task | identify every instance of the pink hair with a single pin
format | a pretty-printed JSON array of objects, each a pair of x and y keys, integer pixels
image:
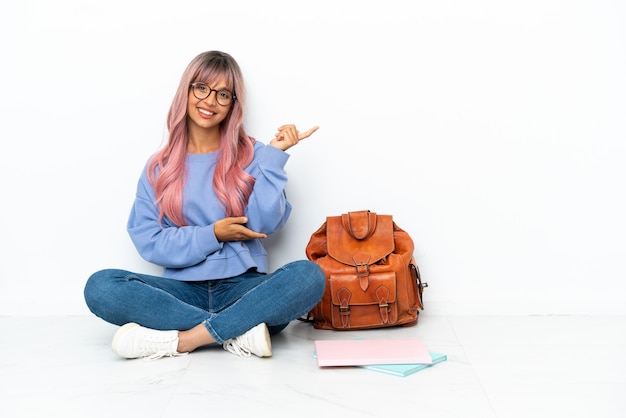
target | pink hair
[{"x": 230, "y": 182}]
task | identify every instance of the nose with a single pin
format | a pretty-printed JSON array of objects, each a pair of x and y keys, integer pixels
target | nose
[{"x": 214, "y": 96}]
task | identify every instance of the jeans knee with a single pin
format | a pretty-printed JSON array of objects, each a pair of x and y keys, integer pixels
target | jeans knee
[
  {"x": 96, "y": 286},
  {"x": 315, "y": 276}
]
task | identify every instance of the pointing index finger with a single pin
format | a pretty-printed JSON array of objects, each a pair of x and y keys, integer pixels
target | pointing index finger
[{"x": 308, "y": 133}]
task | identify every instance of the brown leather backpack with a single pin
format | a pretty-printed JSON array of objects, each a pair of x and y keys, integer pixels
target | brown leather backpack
[{"x": 372, "y": 279}]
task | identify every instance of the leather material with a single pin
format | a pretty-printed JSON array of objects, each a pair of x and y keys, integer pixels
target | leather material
[{"x": 372, "y": 280}]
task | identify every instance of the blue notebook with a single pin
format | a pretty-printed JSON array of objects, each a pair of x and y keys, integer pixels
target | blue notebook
[{"x": 405, "y": 369}]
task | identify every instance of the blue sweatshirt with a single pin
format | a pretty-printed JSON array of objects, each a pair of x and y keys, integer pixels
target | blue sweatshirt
[{"x": 193, "y": 252}]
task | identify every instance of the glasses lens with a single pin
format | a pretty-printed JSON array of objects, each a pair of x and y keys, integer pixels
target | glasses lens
[
  {"x": 201, "y": 91},
  {"x": 224, "y": 97}
]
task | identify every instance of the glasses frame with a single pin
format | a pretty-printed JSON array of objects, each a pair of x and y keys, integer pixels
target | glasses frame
[{"x": 193, "y": 87}]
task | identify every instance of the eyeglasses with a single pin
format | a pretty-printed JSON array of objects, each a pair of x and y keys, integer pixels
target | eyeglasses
[{"x": 202, "y": 91}]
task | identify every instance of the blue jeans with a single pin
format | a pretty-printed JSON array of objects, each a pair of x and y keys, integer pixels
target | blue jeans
[{"x": 226, "y": 307}]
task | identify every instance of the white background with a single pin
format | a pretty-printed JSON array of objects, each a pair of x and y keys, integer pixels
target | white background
[{"x": 493, "y": 131}]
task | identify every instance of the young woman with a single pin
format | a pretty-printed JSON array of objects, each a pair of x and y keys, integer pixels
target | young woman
[{"x": 204, "y": 204}]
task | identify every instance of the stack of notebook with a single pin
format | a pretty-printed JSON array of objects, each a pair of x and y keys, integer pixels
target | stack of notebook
[{"x": 398, "y": 357}]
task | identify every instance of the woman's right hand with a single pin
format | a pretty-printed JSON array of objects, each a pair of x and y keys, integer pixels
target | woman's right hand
[{"x": 234, "y": 229}]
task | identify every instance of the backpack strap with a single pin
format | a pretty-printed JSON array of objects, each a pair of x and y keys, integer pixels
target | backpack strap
[{"x": 360, "y": 224}]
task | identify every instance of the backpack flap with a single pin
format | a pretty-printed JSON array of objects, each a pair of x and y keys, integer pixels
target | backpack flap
[{"x": 364, "y": 236}]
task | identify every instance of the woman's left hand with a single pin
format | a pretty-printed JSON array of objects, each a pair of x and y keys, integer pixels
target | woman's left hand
[{"x": 288, "y": 136}]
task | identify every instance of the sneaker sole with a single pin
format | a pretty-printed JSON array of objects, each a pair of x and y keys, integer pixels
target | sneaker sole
[{"x": 119, "y": 335}]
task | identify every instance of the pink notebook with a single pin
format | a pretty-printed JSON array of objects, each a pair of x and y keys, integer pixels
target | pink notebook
[{"x": 364, "y": 352}]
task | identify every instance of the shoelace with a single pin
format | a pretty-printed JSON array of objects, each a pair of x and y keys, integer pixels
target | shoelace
[
  {"x": 153, "y": 342},
  {"x": 235, "y": 347}
]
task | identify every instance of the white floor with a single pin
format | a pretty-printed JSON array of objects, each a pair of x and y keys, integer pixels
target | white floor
[{"x": 498, "y": 366}]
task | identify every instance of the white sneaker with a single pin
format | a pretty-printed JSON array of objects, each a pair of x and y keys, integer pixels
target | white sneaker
[
  {"x": 134, "y": 341},
  {"x": 255, "y": 341}
]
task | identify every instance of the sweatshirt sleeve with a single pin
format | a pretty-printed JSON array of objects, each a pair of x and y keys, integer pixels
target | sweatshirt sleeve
[
  {"x": 166, "y": 244},
  {"x": 268, "y": 208}
]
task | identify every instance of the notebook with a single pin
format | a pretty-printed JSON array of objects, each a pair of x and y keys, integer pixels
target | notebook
[
  {"x": 405, "y": 369},
  {"x": 366, "y": 352}
]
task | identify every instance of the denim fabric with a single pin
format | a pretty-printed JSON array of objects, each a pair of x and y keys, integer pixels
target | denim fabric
[{"x": 226, "y": 307}]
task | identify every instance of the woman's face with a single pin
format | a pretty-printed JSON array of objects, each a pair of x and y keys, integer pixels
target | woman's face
[{"x": 207, "y": 113}]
